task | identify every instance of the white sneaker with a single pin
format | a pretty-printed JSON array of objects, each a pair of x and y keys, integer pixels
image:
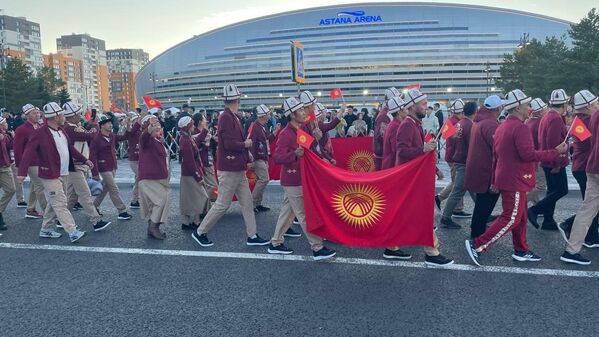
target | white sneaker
[
  {"x": 48, "y": 233},
  {"x": 76, "y": 235}
]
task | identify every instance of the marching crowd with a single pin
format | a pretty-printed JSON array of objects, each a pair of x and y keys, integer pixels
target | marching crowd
[{"x": 516, "y": 160}]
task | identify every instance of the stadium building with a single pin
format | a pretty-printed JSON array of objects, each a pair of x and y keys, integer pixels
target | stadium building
[{"x": 450, "y": 50}]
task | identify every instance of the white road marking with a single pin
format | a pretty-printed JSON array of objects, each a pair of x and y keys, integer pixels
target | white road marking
[{"x": 342, "y": 260}]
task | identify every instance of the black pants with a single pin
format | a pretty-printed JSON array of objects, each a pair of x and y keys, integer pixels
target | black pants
[
  {"x": 593, "y": 233},
  {"x": 483, "y": 207},
  {"x": 557, "y": 188}
]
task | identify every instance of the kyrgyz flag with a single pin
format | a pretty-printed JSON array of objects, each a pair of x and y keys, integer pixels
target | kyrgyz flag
[
  {"x": 336, "y": 93},
  {"x": 354, "y": 154},
  {"x": 579, "y": 130},
  {"x": 448, "y": 130},
  {"x": 152, "y": 102},
  {"x": 376, "y": 209},
  {"x": 304, "y": 139}
]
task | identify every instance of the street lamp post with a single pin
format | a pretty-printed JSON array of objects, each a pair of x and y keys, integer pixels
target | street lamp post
[
  {"x": 488, "y": 74},
  {"x": 153, "y": 79},
  {"x": 3, "y": 55}
]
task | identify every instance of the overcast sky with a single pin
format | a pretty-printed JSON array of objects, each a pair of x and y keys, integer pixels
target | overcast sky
[{"x": 156, "y": 25}]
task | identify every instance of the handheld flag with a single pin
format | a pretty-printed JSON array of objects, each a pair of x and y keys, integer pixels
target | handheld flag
[
  {"x": 152, "y": 102},
  {"x": 354, "y": 154},
  {"x": 428, "y": 137},
  {"x": 413, "y": 86},
  {"x": 579, "y": 130},
  {"x": 336, "y": 93},
  {"x": 304, "y": 139},
  {"x": 87, "y": 116},
  {"x": 310, "y": 118},
  {"x": 448, "y": 130},
  {"x": 115, "y": 109}
]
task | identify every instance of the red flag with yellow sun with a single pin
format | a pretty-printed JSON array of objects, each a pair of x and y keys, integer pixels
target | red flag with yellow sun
[
  {"x": 354, "y": 154},
  {"x": 375, "y": 209}
]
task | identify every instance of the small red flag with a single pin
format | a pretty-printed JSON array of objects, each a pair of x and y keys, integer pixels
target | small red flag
[
  {"x": 115, "y": 109},
  {"x": 336, "y": 93},
  {"x": 448, "y": 130},
  {"x": 579, "y": 130},
  {"x": 87, "y": 116},
  {"x": 413, "y": 86},
  {"x": 310, "y": 118},
  {"x": 152, "y": 102},
  {"x": 428, "y": 137},
  {"x": 304, "y": 139}
]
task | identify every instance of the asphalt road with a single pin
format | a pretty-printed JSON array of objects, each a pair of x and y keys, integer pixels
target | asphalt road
[{"x": 118, "y": 293}]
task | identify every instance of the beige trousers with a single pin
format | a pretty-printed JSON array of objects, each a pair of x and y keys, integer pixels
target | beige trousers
[
  {"x": 18, "y": 184},
  {"x": 293, "y": 204},
  {"x": 37, "y": 188},
  {"x": 540, "y": 186},
  {"x": 109, "y": 187},
  {"x": 154, "y": 198},
  {"x": 57, "y": 204},
  {"x": 210, "y": 182},
  {"x": 261, "y": 169},
  {"x": 135, "y": 168},
  {"x": 231, "y": 183},
  {"x": 445, "y": 192},
  {"x": 585, "y": 215},
  {"x": 193, "y": 200},
  {"x": 8, "y": 186},
  {"x": 78, "y": 190}
]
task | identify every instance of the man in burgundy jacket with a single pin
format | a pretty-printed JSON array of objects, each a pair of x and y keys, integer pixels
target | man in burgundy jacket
[
  {"x": 410, "y": 145},
  {"x": 456, "y": 109},
  {"x": 22, "y": 138},
  {"x": 233, "y": 159},
  {"x": 539, "y": 108},
  {"x": 6, "y": 178},
  {"x": 479, "y": 167},
  {"x": 586, "y": 102},
  {"x": 311, "y": 127},
  {"x": 552, "y": 132},
  {"x": 396, "y": 109},
  {"x": 325, "y": 142},
  {"x": 380, "y": 124},
  {"x": 54, "y": 152},
  {"x": 514, "y": 176},
  {"x": 133, "y": 134},
  {"x": 260, "y": 149}
]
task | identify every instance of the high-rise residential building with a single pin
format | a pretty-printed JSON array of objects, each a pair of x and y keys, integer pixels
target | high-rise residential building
[
  {"x": 123, "y": 65},
  {"x": 92, "y": 53},
  {"x": 70, "y": 70},
  {"x": 20, "y": 38}
]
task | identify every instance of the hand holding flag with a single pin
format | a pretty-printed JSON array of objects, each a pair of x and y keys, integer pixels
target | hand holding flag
[
  {"x": 304, "y": 139},
  {"x": 447, "y": 131},
  {"x": 579, "y": 130}
]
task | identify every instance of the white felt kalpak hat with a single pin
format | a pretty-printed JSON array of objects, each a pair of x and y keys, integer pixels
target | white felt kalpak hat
[
  {"x": 395, "y": 104},
  {"x": 184, "y": 121},
  {"x": 71, "y": 109},
  {"x": 537, "y": 104},
  {"x": 262, "y": 110},
  {"x": 457, "y": 106},
  {"x": 52, "y": 109},
  {"x": 584, "y": 98},
  {"x": 558, "y": 97},
  {"x": 515, "y": 98},
  {"x": 291, "y": 104},
  {"x": 27, "y": 108},
  {"x": 414, "y": 96},
  {"x": 231, "y": 93},
  {"x": 320, "y": 109},
  {"x": 307, "y": 98},
  {"x": 391, "y": 92}
]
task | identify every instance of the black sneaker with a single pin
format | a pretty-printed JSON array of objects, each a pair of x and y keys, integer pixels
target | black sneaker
[
  {"x": 526, "y": 256},
  {"x": 450, "y": 224},
  {"x": 280, "y": 249},
  {"x": 461, "y": 214},
  {"x": 472, "y": 252},
  {"x": 591, "y": 244},
  {"x": 261, "y": 208},
  {"x": 190, "y": 226},
  {"x": 59, "y": 225},
  {"x": 77, "y": 207},
  {"x": 202, "y": 240},
  {"x": 564, "y": 230},
  {"x": 124, "y": 216},
  {"x": 574, "y": 258},
  {"x": 438, "y": 260},
  {"x": 549, "y": 226},
  {"x": 290, "y": 233},
  {"x": 295, "y": 221},
  {"x": 396, "y": 255},
  {"x": 134, "y": 205},
  {"x": 324, "y": 254},
  {"x": 257, "y": 241},
  {"x": 21, "y": 204},
  {"x": 438, "y": 201},
  {"x": 532, "y": 218},
  {"x": 100, "y": 225}
]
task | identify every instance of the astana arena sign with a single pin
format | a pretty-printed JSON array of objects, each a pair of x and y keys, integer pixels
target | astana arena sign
[{"x": 344, "y": 18}]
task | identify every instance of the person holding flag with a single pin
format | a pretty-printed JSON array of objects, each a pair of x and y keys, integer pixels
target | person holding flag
[
  {"x": 552, "y": 132},
  {"x": 411, "y": 145},
  {"x": 291, "y": 144},
  {"x": 233, "y": 161},
  {"x": 585, "y": 103},
  {"x": 513, "y": 177},
  {"x": 133, "y": 134},
  {"x": 325, "y": 142},
  {"x": 380, "y": 124},
  {"x": 261, "y": 138},
  {"x": 456, "y": 108},
  {"x": 310, "y": 125},
  {"x": 539, "y": 108},
  {"x": 205, "y": 136}
]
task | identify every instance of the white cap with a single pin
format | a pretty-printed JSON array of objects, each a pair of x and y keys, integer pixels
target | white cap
[
  {"x": 27, "y": 108},
  {"x": 391, "y": 92},
  {"x": 2, "y": 120},
  {"x": 493, "y": 102},
  {"x": 320, "y": 109},
  {"x": 584, "y": 98},
  {"x": 153, "y": 111},
  {"x": 537, "y": 104},
  {"x": 395, "y": 104},
  {"x": 231, "y": 93},
  {"x": 71, "y": 109},
  {"x": 457, "y": 106},
  {"x": 414, "y": 96},
  {"x": 262, "y": 110},
  {"x": 558, "y": 97},
  {"x": 515, "y": 98},
  {"x": 174, "y": 111},
  {"x": 291, "y": 104},
  {"x": 184, "y": 121},
  {"x": 134, "y": 116},
  {"x": 52, "y": 109},
  {"x": 147, "y": 118},
  {"x": 307, "y": 98}
]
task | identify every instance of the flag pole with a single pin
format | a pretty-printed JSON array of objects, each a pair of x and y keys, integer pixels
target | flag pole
[{"x": 569, "y": 130}]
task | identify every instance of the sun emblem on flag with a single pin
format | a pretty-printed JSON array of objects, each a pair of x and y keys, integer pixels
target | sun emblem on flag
[
  {"x": 361, "y": 161},
  {"x": 152, "y": 102},
  {"x": 358, "y": 205},
  {"x": 579, "y": 129},
  {"x": 302, "y": 139}
]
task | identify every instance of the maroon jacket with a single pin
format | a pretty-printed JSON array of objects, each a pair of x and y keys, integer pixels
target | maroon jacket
[
  {"x": 324, "y": 141},
  {"x": 450, "y": 143},
  {"x": 479, "y": 166},
  {"x": 204, "y": 149},
  {"x": 285, "y": 155},
  {"x": 22, "y": 137},
  {"x": 593, "y": 162},
  {"x": 582, "y": 150},
  {"x": 390, "y": 145},
  {"x": 382, "y": 120},
  {"x": 152, "y": 158},
  {"x": 261, "y": 139},
  {"x": 102, "y": 152},
  {"x": 552, "y": 132},
  {"x": 191, "y": 164},
  {"x": 410, "y": 140},
  {"x": 462, "y": 140},
  {"x": 5, "y": 151},
  {"x": 79, "y": 135},
  {"x": 42, "y": 147},
  {"x": 515, "y": 156},
  {"x": 231, "y": 154},
  {"x": 533, "y": 125},
  {"x": 133, "y": 141}
]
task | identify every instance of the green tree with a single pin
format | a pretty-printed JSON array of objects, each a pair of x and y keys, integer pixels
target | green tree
[
  {"x": 19, "y": 86},
  {"x": 63, "y": 96},
  {"x": 585, "y": 52},
  {"x": 48, "y": 86}
]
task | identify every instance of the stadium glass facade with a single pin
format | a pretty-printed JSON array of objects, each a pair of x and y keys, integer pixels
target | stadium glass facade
[{"x": 450, "y": 50}]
